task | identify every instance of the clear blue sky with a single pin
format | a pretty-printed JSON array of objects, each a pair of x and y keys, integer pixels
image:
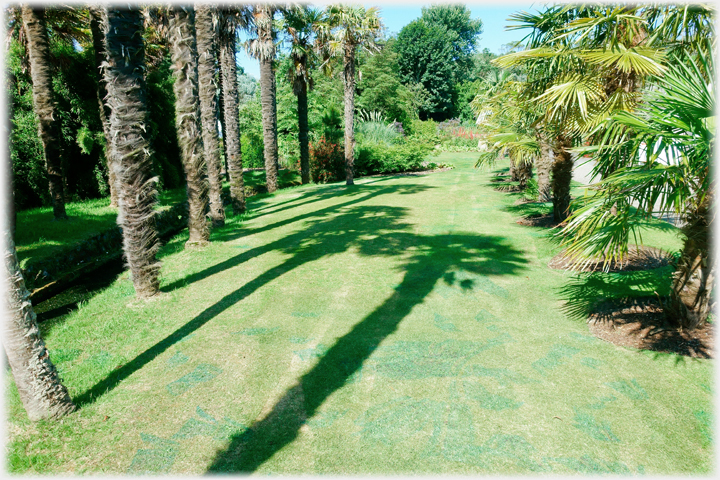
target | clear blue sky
[{"x": 396, "y": 15}]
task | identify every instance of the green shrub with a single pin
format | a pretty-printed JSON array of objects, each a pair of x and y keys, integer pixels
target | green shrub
[
  {"x": 252, "y": 150},
  {"x": 327, "y": 161},
  {"x": 374, "y": 158},
  {"x": 377, "y": 132}
]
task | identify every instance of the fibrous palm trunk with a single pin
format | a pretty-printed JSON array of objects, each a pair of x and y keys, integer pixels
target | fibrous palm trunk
[
  {"x": 691, "y": 300},
  {"x": 187, "y": 120},
  {"x": 268, "y": 95},
  {"x": 349, "y": 81},
  {"x": 97, "y": 21},
  {"x": 543, "y": 164},
  {"x": 39, "y": 386},
  {"x": 137, "y": 195},
  {"x": 48, "y": 128},
  {"x": 303, "y": 137},
  {"x": 524, "y": 173},
  {"x": 207, "y": 65},
  {"x": 231, "y": 132},
  {"x": 561, "y": 177},
  {"x": 224, "y": 172}
]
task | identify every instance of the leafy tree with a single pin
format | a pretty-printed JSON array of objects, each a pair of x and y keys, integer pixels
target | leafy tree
[
  {"x": 436, "y": 51},
  {"x": 380, "y": 87}
]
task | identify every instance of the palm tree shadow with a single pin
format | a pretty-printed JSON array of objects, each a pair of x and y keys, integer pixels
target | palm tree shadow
[
  {"x": 432, "y": 258},
  {"x": 293, "y": 239}
]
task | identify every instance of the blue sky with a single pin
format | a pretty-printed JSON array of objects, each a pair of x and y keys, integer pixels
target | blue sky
[{"x": 396, "y": 15}]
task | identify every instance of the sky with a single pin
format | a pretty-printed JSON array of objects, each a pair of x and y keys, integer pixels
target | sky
[{"x": 396, "y": 15}]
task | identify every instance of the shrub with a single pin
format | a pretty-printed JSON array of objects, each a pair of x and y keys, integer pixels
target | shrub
[
  {"x": 252, "y": 150},
  {"x": 377, "y": 132},
  {"x": 327, "y": 161},
  {"x": 373, "y": 158}
]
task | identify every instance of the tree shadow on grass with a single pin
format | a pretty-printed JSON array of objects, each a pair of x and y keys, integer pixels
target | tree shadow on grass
[
  {"x": 294, "y": 239},
  {"x": 430, "y": 258}
]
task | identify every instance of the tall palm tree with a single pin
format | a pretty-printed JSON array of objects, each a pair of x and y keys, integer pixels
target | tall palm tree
[
  {"x": 262, "y": 47},
  {"x": 98, "y": 18},
  {"x": 206, "y": 31},
  {"x": 301, "y": 22},
  {"x": 187, "y": 119},
  {"x": 42, "y": 393},
  {"x": 137, "y": 195},
  {"x": 349, "y": 27},
  {"x": 230, "y": 18},
  {"x": 667, "y": 146},
  {"x": 39, "y": 52}
]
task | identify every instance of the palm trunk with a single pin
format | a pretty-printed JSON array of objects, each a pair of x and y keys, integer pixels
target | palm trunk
[
  {"x": 187, "y": 120},
  {"x": 97, "y": 21},
  {"x": 231, "y": 127},
  {"x": 303, "y": 131},
  {"x": 349, "y": 80},
  {"x": 561, "y": 177},
  {"x": 544, "y": 164},
  {"x": 207, "y": 66},
  {"x": 691, "y": 296},
  {"x": 513, "y": 171},
  {"x": 137, "y": 195},
  {"x": 39, "y": 386},
  {"x": 224, "y": 172},
  {"x": 48, "y": 128},
  {"x": 524, "y": 170},
  {"x": 268, "y": 95}
]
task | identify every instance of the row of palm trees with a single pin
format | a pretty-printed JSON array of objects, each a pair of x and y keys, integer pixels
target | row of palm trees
[
  {"x": 632, "y": 87},
  {"x": 202, "y": 44}
]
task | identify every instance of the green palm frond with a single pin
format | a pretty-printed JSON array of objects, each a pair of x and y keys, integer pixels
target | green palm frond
[
  {"x": 572, "y": 92},
  {"x": 640, "y": 60}
]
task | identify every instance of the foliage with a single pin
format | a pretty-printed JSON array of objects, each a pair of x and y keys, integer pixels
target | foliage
[
  {"x": 327, "y": 161},
  {"x": 436, "y": 52},
  {"x": 406, "y": 156},
  {"x": 251, "y": 143}
]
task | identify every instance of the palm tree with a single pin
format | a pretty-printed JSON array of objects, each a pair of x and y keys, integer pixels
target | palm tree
[
  {"x": 229, "y": 20},
  {"x": 666, "y": 147},
  {"x": 301, "y": 22},
  {"x": 97, "y": 21},
  {"x": 137, "y": 195},
  {"x": 48, "y": 128},
  {"x": 187, "y": 120},
  {"x": 263, "y": 48},
  {"x": 206, "y": 31},
  {"x": 39, "y": 386},
  {"x": 349, "y": 27}
]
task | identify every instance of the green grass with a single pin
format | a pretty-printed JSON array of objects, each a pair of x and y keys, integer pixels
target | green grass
[
  {"x": 39, "y": 235},
  {"x": 400, "y": 325}
]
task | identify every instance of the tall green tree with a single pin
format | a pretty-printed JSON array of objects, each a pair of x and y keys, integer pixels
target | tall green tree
[
  {"x": 262, "y": 47},
  {"x": 301, "y": 23},
  {"x": 40, "y": 67},
  {"x": 436, "y": 51},
  {"x": 229, "y": 20},
  {"x": 127, "y": 99},
  {"x": 349, "y": 27},
  {"x": 187, "y": 119},
  {"x": 206, "y": 29}
]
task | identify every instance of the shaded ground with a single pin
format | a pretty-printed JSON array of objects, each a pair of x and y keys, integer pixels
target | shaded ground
[{"x": 401, "y": 325}]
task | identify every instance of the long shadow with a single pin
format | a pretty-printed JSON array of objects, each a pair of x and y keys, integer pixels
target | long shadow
[
  {"x": 309, "y": 197},
  {"x": 432, "y": 258},
  {"x": 285, "y": 241},
  {"x": 322, "y": 238}
]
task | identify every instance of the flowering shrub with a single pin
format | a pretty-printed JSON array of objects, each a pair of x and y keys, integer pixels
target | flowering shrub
[{"x": 327, "y": 161}]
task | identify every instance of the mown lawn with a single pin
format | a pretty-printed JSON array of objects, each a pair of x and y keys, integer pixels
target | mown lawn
[
  {"x": 405, "y": 324},
  {"x": 38, "y": 234}
]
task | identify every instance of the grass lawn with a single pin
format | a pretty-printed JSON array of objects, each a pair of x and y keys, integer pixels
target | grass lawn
[
  {"x": 405, "y": 324},
  {"x": 38, "y": 235}
]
